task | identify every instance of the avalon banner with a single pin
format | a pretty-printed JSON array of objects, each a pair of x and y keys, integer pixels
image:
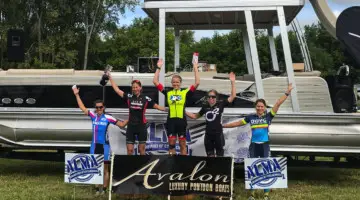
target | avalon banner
[{"x": 172, "y": 175}]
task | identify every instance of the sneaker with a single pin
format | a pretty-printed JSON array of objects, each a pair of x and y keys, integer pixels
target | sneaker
[
  {"x": 251, "y": 198},
  {"x": 266, "y": 197},
  {"x": 104, "y": 190},
  {"x": 97, "y": 193}
]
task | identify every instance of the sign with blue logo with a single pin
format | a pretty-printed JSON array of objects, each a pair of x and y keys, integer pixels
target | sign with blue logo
[
  {"x": 266, "y": 173},
  {"x": 84, "y": 168}
]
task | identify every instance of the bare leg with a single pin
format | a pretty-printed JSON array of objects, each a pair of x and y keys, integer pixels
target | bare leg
[
  {"x": 106, "y": 175},
  {"x": 142, "y": 148},
  {"x": 130, "y": 149},
  {"x": 182, "y": 147},
  {"x": 172, "y": 143}
]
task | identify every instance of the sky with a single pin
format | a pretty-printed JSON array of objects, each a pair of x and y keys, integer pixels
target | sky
[{"x": 306, "y": 16}]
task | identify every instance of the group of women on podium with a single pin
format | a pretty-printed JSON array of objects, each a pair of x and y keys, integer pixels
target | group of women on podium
[{"x": 176, "y": 123}]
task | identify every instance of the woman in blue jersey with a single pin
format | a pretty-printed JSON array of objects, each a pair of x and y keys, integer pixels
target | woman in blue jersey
[
  {"x": 260, "y": 122},
  {"x": 100, "y": 122}
]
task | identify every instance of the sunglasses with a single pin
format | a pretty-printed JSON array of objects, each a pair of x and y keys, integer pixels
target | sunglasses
[
  {"x": 99, "y": 107},
  {"x": 212, "y": 97}
]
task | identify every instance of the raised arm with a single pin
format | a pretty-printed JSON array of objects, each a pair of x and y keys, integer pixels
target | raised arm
[
  {"x": 234, "y": 124},
  {"x": 157, "y": 72},
  {"x": 122, "y": 124},
  {"x": 78, "y": 99},
  {"x": 193, "y": 115},
  {"x": 278, "y": 103},
  {"x": 115, "y": 87},
  {"x": 197, "y": 76},
  {"x": 233, "y": 90}
]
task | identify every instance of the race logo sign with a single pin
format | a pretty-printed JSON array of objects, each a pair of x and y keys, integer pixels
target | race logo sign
[
  {"x": 265, "y": 173},
  {"x": 84, "y": 168}
]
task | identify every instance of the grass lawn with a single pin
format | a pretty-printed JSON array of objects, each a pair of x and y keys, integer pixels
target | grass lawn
[{"x": 25, "y": 180}]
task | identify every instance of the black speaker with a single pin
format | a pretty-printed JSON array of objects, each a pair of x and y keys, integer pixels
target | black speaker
[
  {"x": 15, "y": 45},
  {"x": 342, "y": 93}
]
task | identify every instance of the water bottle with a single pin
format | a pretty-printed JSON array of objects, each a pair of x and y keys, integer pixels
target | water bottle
[
  {"x": 195, "y": 57},
  {"x": 105, "y": 77}
]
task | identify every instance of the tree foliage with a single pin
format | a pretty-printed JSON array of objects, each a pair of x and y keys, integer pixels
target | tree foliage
[{"x": 84, "y": 34}]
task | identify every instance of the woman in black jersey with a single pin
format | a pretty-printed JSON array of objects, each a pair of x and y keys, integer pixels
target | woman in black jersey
[
  {"x": 137, "y": 103},
  {"x": 213, "y": 110}
]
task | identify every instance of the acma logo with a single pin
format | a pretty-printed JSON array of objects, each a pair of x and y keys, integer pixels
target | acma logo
[
  {"x": 264, "y": 172},
  {"x": 82, "y": 168}
]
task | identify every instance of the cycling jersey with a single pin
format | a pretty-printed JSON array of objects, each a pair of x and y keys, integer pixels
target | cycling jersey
[
  {"x": 99, "y": 126},
  {"x": 176, "y": 121},
  {"x": 176, "y": 100},
  {"x": 213, "y": 116},
  {"x": 137, "y": 107},
  {"x": 260, "y": 126}
]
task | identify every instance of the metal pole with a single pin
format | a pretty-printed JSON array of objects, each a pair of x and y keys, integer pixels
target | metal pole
[
  {"x": 177, "y": 49},
  {"x": 254, "y": 54},
  {"x": 274, "y": 59},
  {"x": 104, "y": 87},
  {"x": 249, "y": 63},
  {"x": 288, "y": 59},
  {"x": 162, "y": 27}
]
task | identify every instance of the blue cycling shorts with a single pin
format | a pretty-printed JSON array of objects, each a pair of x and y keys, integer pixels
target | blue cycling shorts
[{"x": 101, "y": 149}]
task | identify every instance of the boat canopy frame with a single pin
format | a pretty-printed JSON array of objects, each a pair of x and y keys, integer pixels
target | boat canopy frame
[{"x": 246, "y": 15}]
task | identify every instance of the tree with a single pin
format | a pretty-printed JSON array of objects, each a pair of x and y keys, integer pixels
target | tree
[
  {"x": 141, "y": 39},
  {"x": 60, "y": 33},
  {"x": 96, "y": 14}
]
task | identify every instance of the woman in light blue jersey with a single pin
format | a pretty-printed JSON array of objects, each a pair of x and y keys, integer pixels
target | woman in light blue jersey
[
  {"x": 260, "y": 122},
  {"x": 100, "y": 123}
]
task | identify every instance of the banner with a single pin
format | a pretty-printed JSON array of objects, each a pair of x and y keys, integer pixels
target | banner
[
  {"x": 84, "y": 168},
  {"x": 237, "y": 140},
  {"x": 266, "y": 173},
  {"x": 172, "y": 175}
]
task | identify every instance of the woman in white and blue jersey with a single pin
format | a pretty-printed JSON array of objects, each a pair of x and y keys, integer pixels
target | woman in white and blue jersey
[
  {"x": 260, "y": 122},
  {"x": 100, "y": 123}
]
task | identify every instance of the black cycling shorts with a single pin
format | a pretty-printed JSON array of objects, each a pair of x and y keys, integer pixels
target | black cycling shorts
[
  {"x": 214, "y": 143},
  {"x": 259, "y": 150},
  {"x": 134, "y": 130},
  {"x": 176, "y": 127}
]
